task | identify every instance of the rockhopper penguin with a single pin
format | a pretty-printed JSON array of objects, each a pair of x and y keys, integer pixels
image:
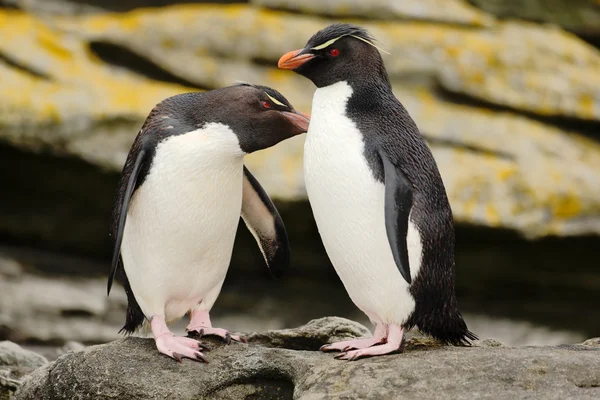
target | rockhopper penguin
[
  {"x": 377, "y": 195},
  {"x": 178, "y": 204}
]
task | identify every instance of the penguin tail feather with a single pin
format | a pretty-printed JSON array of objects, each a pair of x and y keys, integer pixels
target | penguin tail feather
[{"x": 446, "y": 327}]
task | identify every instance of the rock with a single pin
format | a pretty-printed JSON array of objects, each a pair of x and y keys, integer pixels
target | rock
[
  {"x": 132, "y": 369},
  {"x": 52, "y": 7},
  {"x": 15, "y": 363},
  {"x": 580, "y": 16},
  {"x": 450, "y": 11},
  {"x": 312, "y": 335},
  {"x": 57, "y": 309},
  {"x": 594, "y": 342},
  {"x": 73, "y": 89},
  {"x": 51, "y": 352},
  {"x": 544, "y": 181},
  {"x": 512, "y": 64},
  {"x": 502, "y": 170}
]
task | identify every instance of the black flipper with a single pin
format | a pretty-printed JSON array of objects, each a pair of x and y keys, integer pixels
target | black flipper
[
  {"x": 265, "y": 224},
  {"x": 398, "y": 202},
  {"x": 120, "y": 224}
]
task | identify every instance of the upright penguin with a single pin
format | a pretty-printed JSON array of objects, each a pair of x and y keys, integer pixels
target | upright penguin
[
  {"x": 377, "y": 195},
  {"x": 178, "y": 204}
]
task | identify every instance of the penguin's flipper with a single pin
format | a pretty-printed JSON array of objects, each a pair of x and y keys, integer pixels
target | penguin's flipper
[
  {"x": 398, "y": 202},
  {"x": 265, "y": 224},
  {"x": 131, "y": 171}
]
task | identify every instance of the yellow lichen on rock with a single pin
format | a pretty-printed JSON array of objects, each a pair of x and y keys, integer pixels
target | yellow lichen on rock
[
  {"x": 505, "y": 170},
  {"x": 542, "y": 70},
  {"x": 76, "y": 89},
  {"x": 500, "y": 169}
]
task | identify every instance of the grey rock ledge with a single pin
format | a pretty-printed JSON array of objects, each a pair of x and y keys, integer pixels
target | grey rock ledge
[{"x": 285, "y": 364}]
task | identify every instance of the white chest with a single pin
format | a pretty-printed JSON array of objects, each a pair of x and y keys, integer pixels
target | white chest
[
  {"x": 348, "y": 205},
  {"x": 182, "y": 221}
]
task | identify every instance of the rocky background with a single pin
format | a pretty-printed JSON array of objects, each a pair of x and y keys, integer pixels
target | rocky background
[{"x": 507, "y": 94}]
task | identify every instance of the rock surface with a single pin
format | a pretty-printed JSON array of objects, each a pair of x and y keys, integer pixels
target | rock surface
[
  {"x": 46, "y": 309},
  {"x": 15, "y": 363},
  {"x": 132, "y": 369},
  {"x": 97, "y": 76},
  {"x": 511, "y": 64},
  {"x": 450, "y": 11},
  {"x": 581, "y": 16}
]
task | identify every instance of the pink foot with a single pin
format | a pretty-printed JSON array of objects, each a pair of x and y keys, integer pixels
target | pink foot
[
  {"x": 378, "y": 338},
  {"x": 351, "y": 344},
  {"x": 394, "y": 343},
  {"x": 200, "y": 325},
  {"x": 174, "y": 346}
]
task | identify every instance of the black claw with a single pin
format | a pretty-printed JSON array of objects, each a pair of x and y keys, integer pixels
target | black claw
[
  {"x": 177, "y": 356},
  {"x": 200, "y": 357},
  {"x": 339, "y": 356},
  {"x": 203, "y": 347},
  {"x": 228, "y": 338}
]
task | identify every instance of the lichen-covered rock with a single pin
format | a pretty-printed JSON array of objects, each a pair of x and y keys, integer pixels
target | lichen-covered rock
[
  {"x": 501, "y": 169},
  {"x": 450, "y": 11},
  {"x": 132, "y": 369},
  {"x": 512, "y": 64},
  {"x": 580, "y": 16},
  {"x": 61, "y": 82},
  {"x": 15, "y": 363}
]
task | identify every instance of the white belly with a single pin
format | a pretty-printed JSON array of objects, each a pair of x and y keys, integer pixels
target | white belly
[
  {"x": 348, "y": 205},
  {"x": 182, "y": 222}
]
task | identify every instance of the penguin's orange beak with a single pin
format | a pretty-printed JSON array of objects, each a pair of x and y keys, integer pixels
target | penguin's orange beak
[
  {"x": 294, "y": 59},
  {"x": 298, "y": 119}
]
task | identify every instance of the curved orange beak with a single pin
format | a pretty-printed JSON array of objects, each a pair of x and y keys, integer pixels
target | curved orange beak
[
  {"x": 300, "y": 120},
  {"x": 294, "y": 59}
]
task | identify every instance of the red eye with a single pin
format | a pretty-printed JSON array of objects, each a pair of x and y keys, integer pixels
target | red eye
[
  {"x": 334, "y": 52},
  {"x": 266, "y": 104}
]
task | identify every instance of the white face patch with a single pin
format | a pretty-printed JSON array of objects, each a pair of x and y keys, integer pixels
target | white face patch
[
  {"x": 274, "y": 100},
  {"x": 332, "y": 41}
]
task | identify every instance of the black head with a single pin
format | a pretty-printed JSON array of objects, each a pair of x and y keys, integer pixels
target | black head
[
  {"x": 264, "y": 117},
  {"x": 340, "y": 52},
  {"x": 260, "y": 116}
]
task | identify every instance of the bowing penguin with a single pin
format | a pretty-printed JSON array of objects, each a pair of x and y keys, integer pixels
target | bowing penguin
[{"x": 182, "y": 191}]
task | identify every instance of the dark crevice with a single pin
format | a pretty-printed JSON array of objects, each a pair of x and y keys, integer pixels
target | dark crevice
[
  {"x": 15, "y": 64},
  {"x": 55, "y": 203},
  {"x": 271, "y": 385},
  {"x": 9, "y": 6},
  {"x": 124, "y": 58},
  {"x": 592, "y": 38},
  {"x": 472, "y": 148},
  {"x": 76, "y": 313},
  {"x": 588, "y": 128}
]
